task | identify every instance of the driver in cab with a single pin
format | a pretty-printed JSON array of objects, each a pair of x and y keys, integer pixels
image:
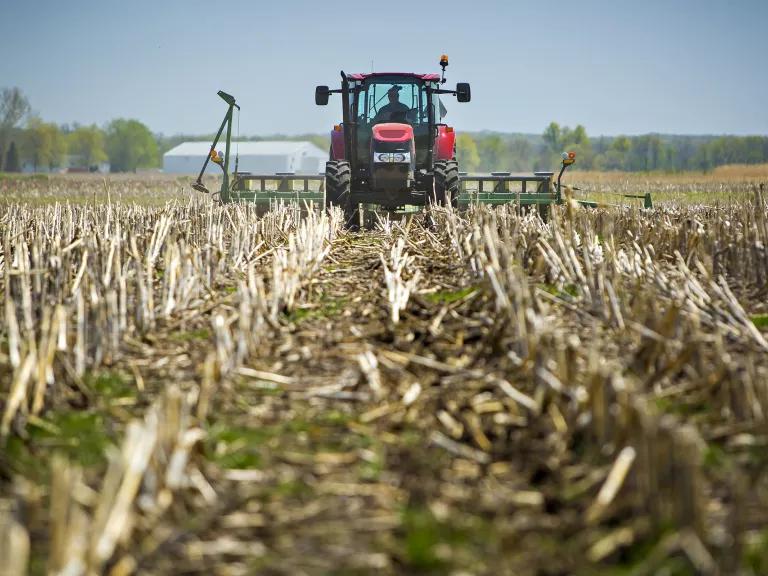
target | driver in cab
[{"x": 395, "y": 111}]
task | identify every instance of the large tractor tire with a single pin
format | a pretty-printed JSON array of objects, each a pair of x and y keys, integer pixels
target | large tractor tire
[
  {"x": 338, "y": 180},
  {"x": 447, "y": 182}
]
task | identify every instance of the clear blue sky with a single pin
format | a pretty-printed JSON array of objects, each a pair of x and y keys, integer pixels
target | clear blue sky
[{"x": 617, "y": 66}]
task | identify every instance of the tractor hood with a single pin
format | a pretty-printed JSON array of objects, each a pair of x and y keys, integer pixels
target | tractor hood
[{"x": 393, "y": 132}]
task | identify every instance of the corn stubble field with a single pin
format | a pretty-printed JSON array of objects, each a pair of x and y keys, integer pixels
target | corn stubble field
[{"x": 189, "y": 388}]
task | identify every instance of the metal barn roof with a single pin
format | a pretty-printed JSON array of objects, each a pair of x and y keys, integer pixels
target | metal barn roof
[{"x": 261, "y": 148}]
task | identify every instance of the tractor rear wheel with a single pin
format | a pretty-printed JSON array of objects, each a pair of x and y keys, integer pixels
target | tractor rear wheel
[
  {"x": 447, "y": 182},
  {"x": 338, "y": 180}
]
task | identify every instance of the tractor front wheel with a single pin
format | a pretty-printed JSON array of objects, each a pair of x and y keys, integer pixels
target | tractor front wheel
[
  {"x": 338, "y": 180},
  {"x": 447, "y": 182}
]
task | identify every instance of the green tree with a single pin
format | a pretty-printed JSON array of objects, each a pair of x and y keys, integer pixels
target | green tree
[
  {"x": 44, "y": 144},
  {"x": 577, "y": 137},
  {"x": 582, "y": 145},
  {"x": 466, "y": 153},
  {"x": 559, "y": 139},
  {"x": 87, "y": 142},
  {"x": 14, "y": 106},
  {"x": 12, "y": 163},
  {"x": 130, "y": 146},
  {"x": 647, "y": 153},
  {"x": 552, "y": 136},
  {"x": 577, "y": 141},
  {"x": 520, "y": 154},
  {"x": 621, "y": 144},
  {"x": 615, "y": 156},
  {"x": 492, "y": 153}
]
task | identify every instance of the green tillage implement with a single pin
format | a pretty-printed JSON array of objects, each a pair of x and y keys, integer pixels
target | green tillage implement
[
  {"x": 535, "y": 189},
  {"x": 530, "y": 189}
]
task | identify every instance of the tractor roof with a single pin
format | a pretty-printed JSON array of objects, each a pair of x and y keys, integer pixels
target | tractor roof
[{"x": 426, "y": 77}]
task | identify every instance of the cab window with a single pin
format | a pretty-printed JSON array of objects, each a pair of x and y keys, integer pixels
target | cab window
[{"x": 374, "y": 104}]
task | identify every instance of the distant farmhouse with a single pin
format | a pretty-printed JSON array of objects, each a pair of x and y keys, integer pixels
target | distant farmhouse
[
  {"x": 77, "y": 163},
  {"x": 73, "y": 163},
  {"x": 254, "y": 157}
]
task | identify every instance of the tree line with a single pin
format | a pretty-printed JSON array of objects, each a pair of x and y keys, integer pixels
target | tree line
[
  {"x": 128, "y": 145},
  {"x": 26, "y": 139},
  {"x": 487, "y": 152}
]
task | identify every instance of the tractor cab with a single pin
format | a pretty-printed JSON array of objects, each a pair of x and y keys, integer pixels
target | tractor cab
[{"x": 407, "y": 100}]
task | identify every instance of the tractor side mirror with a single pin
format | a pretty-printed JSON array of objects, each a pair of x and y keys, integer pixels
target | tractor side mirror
[
  {"x": 463, "y": 92},
  {"x": 321, "y": 95}
]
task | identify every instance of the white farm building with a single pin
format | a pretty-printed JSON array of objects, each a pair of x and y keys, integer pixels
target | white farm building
[{"x": 254, "y": 157}]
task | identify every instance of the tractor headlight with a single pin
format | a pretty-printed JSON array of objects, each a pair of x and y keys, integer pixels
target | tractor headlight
[{"x": 392, "y": 157}]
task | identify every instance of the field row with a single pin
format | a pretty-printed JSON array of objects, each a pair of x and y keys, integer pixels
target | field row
[{"x": 196, "y": 388}]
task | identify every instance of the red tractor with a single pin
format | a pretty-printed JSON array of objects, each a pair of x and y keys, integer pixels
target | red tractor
[{"x": 392, "y": 148}]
